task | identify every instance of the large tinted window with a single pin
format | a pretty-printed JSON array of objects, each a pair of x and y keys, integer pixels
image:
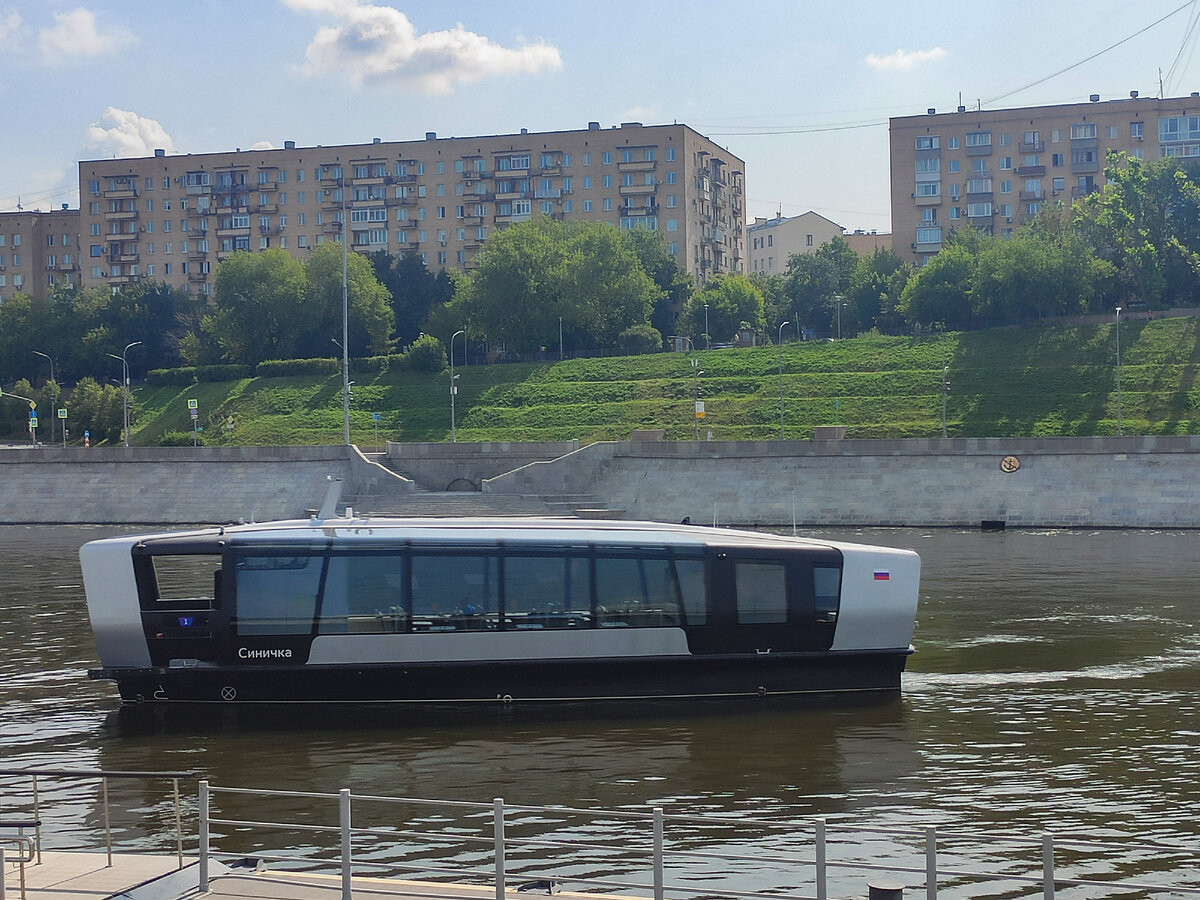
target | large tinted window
[
  {"x": 636, "y": 591},
  {"x": 547, "y": 592},
  {"x": 276, "y": 594},
  {"x": 363, "y": 594},
  {"x": 761, "y": 592},
  {"x": 455, "y": 592},
  {"x": 827, "y": 586},
  {"x": 692, "y": 587}
]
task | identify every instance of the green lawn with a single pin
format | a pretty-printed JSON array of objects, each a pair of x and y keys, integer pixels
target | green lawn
[{"x": 1004, "y": 382}]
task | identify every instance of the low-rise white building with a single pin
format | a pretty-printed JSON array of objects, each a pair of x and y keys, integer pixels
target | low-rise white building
[{"x": 771, "y": 242}]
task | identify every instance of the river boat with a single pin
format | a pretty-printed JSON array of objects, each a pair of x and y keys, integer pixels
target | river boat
[{"x": 351, "y": 609}]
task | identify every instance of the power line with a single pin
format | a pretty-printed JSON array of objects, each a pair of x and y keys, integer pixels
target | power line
[{"x": 1076, "y": 65}]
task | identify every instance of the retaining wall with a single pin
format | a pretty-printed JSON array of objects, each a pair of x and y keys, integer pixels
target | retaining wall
[{"x": 1080, "y": 482}]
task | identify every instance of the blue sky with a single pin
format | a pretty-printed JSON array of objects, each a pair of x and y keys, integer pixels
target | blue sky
[{"x": 800, "y": 90}]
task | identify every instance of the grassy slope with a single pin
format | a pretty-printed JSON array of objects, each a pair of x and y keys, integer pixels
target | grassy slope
[{"x": 1008, "y": 382}]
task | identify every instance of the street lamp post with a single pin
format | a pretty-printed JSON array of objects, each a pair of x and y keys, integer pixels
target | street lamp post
[
  {"x": 453, "y": 386},
  {"x": 1119, "y": 431},
  {"x": 125, "y": 386},
  {"x": 560, "y": 344},
  {"x": 53, "y": 392},
  {"x": 696, "y": 373},
  {"x": 782, "y": 325},
  {"x": 945, "y": 391},
  {"x": 839, "y": 301},
  {"x": 345, "y": 322},
  {"x": 707, "y": 336}
]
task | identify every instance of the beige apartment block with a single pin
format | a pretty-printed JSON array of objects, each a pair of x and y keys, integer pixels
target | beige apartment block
[
  {"x": 172, "y": 218},
  {"x": 865, "y": 243},
  {"x": 772, "y": 241},
  {"x": 39, "y": 251},
  {"x": 996, "y": 169}
]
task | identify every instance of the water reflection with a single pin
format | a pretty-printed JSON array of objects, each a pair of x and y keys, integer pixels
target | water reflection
[{"x": 1054, "y": 687}]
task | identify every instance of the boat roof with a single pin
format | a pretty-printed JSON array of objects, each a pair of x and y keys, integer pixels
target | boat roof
[{"x": 479, "y": 530}]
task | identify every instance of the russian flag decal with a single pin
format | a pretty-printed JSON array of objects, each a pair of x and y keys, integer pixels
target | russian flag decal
[{"x": 882, "y": 575}]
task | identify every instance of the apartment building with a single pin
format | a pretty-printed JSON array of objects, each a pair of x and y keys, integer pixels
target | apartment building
[
  {"x": 771, "y": 242},
  {"x": 39, "y": 251},
  {"x": 171, "y": 219},
  {"x": 995, "y": 169}
]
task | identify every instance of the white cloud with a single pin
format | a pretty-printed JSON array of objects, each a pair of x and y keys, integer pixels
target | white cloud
[
  {"x": 261, "y": 145},
  {"x": 903, "y": 60},
  {"x": 128, "y": 134},
  {"x": 75, "y": 36},
  {"x": 639, "y": 114},
  {"x": 379, "y": 45},
  {"x": 10, "y": 24}
]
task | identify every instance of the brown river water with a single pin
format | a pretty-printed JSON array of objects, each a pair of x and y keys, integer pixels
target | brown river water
[{"x": 1055, "y": 687}]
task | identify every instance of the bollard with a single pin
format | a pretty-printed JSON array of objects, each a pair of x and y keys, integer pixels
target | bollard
[{"x": 885, "y": 890}]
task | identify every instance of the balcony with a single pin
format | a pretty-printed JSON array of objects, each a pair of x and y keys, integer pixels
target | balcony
[
  {"x": 128, "y": 193},
  {"x": 197, "y": 276},
  {"x": 978, "y": 150},
  {"x": 637, "y": 189},
  {"x": 267, "y": 207},
  {"x": 923, "y": 200},
  {"x": 123, "y": 279},
  {"x": 1031, "y": 146},
  {"x": 194, "y": 189},
  {"x": 644, "y": 166},
  {"x": 266, "y": 186},
  {"x": 1025, "y": 171},
  {"x": 1086, "y": 167},
  {"x": 549, "y": 171},
  {"x": 1032, "y": 195},
  {"x": 551, "y": 194},
  {"x": 198, "y": 254},
  {"x": 651, "y": 210},
  {"x": 123, "y": 214}
]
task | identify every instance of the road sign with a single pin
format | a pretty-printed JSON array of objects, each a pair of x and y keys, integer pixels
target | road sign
[
  {"x": 62, "y": 412},
  {"x": 375, "y": 416},
  {"x": 33, "y": 421},
  {"x": 193, "y": 404}
]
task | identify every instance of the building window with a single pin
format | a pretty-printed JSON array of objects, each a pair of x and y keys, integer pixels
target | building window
[
  {"x": 606, "y": 181},
  {"x": 929, "y": 235},
  {"x": 1056, "y": 136},
  {"x": 608, "y": 203},
  {"x": 955, "y": 212},
  {"x": 929, "y": 189},
  {"x": 808, "y": 240},
  {"x": 978, "y": 210},
  {"x": 1083, "y": 131},
  {"x": 671, "y": 176},
  {"x": 952, "y": 143},
  {"x": 1006, "y": 187},
  {"x": 1137, "y": 130},
  {"x": 1006, "y": 210},
  {"x": 928, "y": 165},
  {"x": 587, "y": 205},
  {"x": 1006, "y": 140},
  {"x": 952, "y": 166},
  {"x": 1005, "y": 163},
  {"x": 927, "y": 142},
  {"x": 672, "y": 224},
  {"x": 1110, "y": 131},
  {"x": 670, "y": 155}
]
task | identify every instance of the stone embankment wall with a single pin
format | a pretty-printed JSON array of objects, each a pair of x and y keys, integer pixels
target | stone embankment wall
[
  {"x": 1142, "y": 482},
  {"x": 174, "y": 485},
  {"x": 465, "y": 466},
  {"x": 1038, "y": 482}
]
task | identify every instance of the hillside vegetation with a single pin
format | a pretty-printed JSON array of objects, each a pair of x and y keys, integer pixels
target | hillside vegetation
[{"x": 1007, "y": 382}]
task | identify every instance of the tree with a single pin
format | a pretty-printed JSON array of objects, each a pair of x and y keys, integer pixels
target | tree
[
  {"x": 261, "y": 311},
  {"x": 96, "y": 408},
  {"x": 370, "y": 311},
  {"x": 875, "y": 288},
  {"x": 414, "y": 290},
  {"x": 660, "y": 264},
  {"x": 816, "y": 280},
  {"x": 604, "y": 290},
  {"x": 938, "y": 291},
  {"x": 732, "y": 300}
]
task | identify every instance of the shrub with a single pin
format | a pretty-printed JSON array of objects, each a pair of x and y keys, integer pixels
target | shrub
[
  {"x": 639, "y": 339},
  {"x": 178, "y": 439},
  {"x": 182, "y": 375},
  {"x": 224, "y": 372},
  {"x": 426, "y": 355},
  {"x": 277, "y": 368}
]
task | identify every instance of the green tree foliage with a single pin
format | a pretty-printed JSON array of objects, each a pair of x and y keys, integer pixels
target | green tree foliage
[
  {"x": 96, "y": 408},
  {"x": 427, "y": 354},
  {"x": 875, "y": 288},
  {"x": 535, "y": 272},
  {"x": 939, "y": 291},
  {"x": 732, "y": 301},
  {"x": 638, "y": 340},
  {"x": 261, "y": 311},
  {"x": 816, "y": 280},
  {"x": 370, "y": 311},
  {"x": 660, "y": 264},
  {"x": 414, "y": 289}
]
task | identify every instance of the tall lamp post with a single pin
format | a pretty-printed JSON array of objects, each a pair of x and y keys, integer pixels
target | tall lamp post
[
  {"x": 707, "y": 336},
  {"x": 1119, "y": 432},
  {"x": 560, "y": 344},
  {"x": 53, "y": 392},
  {"x": 453, "y": 386},
  {"x": 345, "y": 322},
  {"x": 696, "y": 373},
  {"x": 782, "y": 325},
  {"x": 125, "y": 385},
  {"x": 945, "y": 391}
]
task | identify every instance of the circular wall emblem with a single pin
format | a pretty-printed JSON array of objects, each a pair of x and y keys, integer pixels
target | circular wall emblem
[
  {"x": 228, "y": 693},
  {"x": 1009, "y": 464}
]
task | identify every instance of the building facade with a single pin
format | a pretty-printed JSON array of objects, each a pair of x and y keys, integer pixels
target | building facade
[
  {"x": 994, "y": 170},
  {"x": 39, "y": 251},
  {"x": 171, "y": 219},
  {"x": 771, "y": 241}
]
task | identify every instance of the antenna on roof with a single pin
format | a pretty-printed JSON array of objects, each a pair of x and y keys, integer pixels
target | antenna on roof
[{"x": 19, "y": 206}]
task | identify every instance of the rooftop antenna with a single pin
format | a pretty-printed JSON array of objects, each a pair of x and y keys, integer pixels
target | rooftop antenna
[
  {"x": 19, "y": 206},
  {"x": 1160, "y": 84}
]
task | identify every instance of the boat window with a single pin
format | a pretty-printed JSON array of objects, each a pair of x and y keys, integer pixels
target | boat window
[
  {"x": 455, "y": 593},
  {"x": 827, "y": 583},
  {"x": 761, "y": 592},
  {"x": 363, "y": 594},
  {"x": 276, "y": 594},
  {"x": 184, "y": 579},
  {"x": 691, "y": 586},
  {"x": 546, "y": 592},
  {"x": 636, "y": 592}
]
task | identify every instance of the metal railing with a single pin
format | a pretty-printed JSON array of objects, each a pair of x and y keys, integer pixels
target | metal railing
[
  {"x": 103, "y": 776},
  {"x": 21, "y": 840},
  {"x": 815, "y": 856}
]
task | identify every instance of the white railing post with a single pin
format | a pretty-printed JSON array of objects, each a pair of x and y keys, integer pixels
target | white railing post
[
  {"x": 107, "y": 825},
  {"x": 931, "y": 863},
  {"x": 344, "y": 821},
  {"x": 37, "y": 818},
  {"x": 203, "y": 850},
  {"x": 1, "y": 873},
  {"x": 178, "y": 823},
  {"x": 498, "y": 835},
  {"x": 1048, "y": 867},
  {"x": 819, "y": 849},
  {"x": 658, "y": 853}
]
